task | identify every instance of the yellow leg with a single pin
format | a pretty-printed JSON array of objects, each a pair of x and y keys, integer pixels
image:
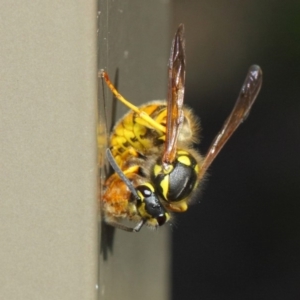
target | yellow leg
[{"x": 141, "y": 114}]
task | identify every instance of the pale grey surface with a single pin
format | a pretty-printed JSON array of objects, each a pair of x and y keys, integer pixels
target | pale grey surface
[
  {"x": 48, "y": 200},
  {"x": 48, "y": 192},
  {"x": 134, "y": 37}
]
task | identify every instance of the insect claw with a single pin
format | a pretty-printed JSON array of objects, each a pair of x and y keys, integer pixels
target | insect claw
[{"x": 138, "y": 227}]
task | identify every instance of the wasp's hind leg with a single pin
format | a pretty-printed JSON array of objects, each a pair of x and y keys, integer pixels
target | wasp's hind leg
[{"x": 141, "y": 114}]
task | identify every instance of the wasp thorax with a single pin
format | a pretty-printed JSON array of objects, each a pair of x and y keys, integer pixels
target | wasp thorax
[{"x": 178, "y": 181}]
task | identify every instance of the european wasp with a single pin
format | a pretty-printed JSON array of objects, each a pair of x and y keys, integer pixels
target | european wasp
[{"x": 156, "y": 168}]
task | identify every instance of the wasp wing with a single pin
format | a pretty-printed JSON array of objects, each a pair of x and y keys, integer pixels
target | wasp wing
[
  {"x": 246, "y": 98},
  {"x": 176, "y": 84}
]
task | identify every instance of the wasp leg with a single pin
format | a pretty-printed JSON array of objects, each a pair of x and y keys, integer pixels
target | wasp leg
[
  {"x": 139, "y": 225},
  {"x": 141, "y": 114},
  {"x": 137, "y": 228}
]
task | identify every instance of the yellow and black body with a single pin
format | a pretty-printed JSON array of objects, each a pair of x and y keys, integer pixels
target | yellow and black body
[
  {"x": 137, "y": 148},
  {"x": 151, "y": 149}
]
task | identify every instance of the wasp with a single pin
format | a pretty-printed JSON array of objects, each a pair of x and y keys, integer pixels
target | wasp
[{"x": 157, "y": 170}]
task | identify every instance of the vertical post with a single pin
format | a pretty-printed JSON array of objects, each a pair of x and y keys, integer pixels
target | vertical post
[
  {"x": 133, "y": 45},
  {"x": 48, "y": 206}
]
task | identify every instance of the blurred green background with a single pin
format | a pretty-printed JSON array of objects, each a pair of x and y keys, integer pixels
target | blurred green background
[{"x": 241, "y": 239}]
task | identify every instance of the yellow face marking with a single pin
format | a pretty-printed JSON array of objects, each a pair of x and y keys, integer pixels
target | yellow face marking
[
  {"x": 150, "y": 186},
  {"x": 143, "y": 212},
  {"x": 140, "y": 195}
]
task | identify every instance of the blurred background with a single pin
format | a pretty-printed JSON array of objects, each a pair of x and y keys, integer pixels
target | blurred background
[{"x": 241, "y": 239}]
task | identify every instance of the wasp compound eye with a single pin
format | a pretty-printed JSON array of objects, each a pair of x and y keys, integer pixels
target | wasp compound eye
[
  {"x": 150, "y": 206},
  {"x": 178, "y": 183}
]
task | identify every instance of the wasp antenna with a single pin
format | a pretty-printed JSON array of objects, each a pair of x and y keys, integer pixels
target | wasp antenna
[{"x": 117, "y": 169}]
